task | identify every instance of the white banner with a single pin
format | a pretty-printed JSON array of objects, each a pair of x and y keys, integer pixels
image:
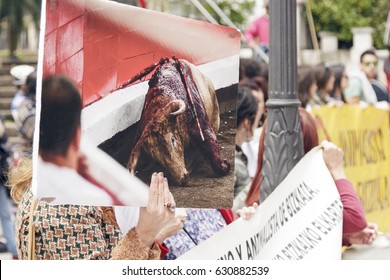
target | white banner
[{"x": 301, "y": 219}]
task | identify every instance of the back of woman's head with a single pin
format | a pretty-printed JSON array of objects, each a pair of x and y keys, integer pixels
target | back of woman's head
[
  {"x": 19, "y": 178},
  {"x": 249, "y": 68},
  {"x": 256, "y": 83},
  {"x": 246, "y": 104},
  {"x": 323, "y": 75},
  {"x": 338, "y": 71},
  {"x": 31, "y": 84},
  {"x": 309, "y": 130},
  {"x": 306, "y": 78}
]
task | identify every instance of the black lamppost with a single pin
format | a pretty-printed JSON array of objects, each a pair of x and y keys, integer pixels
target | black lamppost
[{"x": 283, "y": 140}]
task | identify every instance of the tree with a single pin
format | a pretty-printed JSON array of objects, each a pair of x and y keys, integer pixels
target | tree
[
  {"x": 238, "y": 11},
  {"x": 13, "y": 12},
  {"x": 340, "y": 16}
]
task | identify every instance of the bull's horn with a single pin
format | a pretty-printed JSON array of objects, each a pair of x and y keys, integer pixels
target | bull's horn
[{"x": 175, "y": 107}]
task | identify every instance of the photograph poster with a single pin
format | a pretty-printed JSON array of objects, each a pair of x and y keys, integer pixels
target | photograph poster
[{"x": 158, "y": 94}]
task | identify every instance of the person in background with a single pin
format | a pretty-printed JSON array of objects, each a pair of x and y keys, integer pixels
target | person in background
[
  {"x": 325, "y": 81},
  {"x": 360, "y": 86},
  {"x": 6, "y": 215},
  {"x": 26, "y": 112},
  {"x": 246, "y": 113},
  {"x": 251, "y": 68},
  {"x": 25, "y": 115},
  {"x": 340, "y": 83},
  {"x": 371, "y": 70},
  {"x": 19, "y": 74},
  {"x": 386, "y": 69},
  {"x": 307, "y": 86},
  {"x": 259, "y": 88},
  {"x": 356, "y": 230},
  {"x": 7, "y": 224},
  {"x": 258, "y": 33}
]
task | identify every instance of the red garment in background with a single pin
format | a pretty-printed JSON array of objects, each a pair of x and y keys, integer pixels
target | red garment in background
[
  {"x": 227, "y": 214},
  {"x": 353, "y": 213},
  {"x": 142, "y": 3},
  {"x": 163, "y": 250},
  {"x": 259, "y": 29},
  {"x": 388, "y": 83},
  {"x": 386, "y": 69}
]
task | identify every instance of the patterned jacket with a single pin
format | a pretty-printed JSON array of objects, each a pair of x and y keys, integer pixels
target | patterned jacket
[{"x": 66, "y": 232}]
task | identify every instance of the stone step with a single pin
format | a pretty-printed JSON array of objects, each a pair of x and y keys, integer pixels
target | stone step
[
  {"x": 7, "y": 91},
  {"x": 6, "y": 80},
  {"x": 30, "y": 61},
  {"x": 4, "y": 70},
  {"x": 6, "y": 114},
  {"x": 7, "y": 65},
  {"x": 5, "y": 103},
  {"x": 11, "y": 129}
]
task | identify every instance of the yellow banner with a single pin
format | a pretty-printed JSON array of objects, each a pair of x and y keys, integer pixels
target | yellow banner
[{"x": 363, "y": 134}]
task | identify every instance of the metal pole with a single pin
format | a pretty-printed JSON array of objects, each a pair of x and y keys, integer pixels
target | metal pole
[{"x": 283, "y": 139}]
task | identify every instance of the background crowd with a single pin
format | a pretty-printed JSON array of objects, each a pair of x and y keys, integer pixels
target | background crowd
[{"x": 174, "y": 235}]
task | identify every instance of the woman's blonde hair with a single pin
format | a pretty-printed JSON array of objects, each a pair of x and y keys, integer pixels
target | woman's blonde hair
[{"x": 19, "y": 178}]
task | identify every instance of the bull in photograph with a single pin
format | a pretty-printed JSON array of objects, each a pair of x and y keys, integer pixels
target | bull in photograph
[{"x": 179, "y": 121}]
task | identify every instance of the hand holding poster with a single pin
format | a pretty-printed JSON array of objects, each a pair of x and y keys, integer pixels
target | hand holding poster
[{"x": 301, "y": 219}]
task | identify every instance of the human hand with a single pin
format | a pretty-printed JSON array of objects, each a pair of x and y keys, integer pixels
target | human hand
[
  {"x": 365, "y": 236},
  {"x": 247, "y": 212},
  {"x": 333, "y": 157},
  {"x": 171, "y": 229},
  {"x": 156, "y": 215}
]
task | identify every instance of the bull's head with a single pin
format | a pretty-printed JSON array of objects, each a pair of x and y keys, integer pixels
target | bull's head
[{"x": 163, "y": 140}]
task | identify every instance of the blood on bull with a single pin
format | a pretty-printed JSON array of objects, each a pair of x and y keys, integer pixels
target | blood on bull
[{"x": 179, "y": 122}]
